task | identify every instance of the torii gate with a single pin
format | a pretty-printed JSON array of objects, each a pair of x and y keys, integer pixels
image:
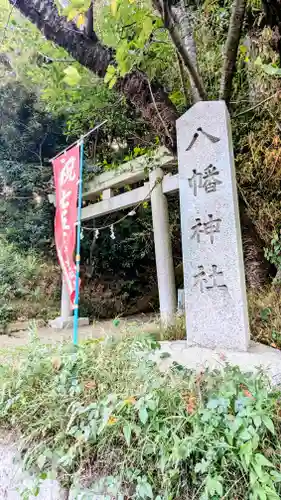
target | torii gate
[{"x": 155, "y": 186}]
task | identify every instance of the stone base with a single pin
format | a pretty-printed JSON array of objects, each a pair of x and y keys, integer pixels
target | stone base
[
  {"x": 199, "y": 358},
  {"x": 64, "y": 324}
]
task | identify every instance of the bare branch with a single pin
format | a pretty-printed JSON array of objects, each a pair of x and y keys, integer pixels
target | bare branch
[
  {"x": 231, "y": 48},
  {"x": 182, "y": 77},
  {"x": 51, "y": 59},
  {"x": 158, "y": 112},
  {"x": 171, "y": 26},
  {"x": 277, "y": 93}
]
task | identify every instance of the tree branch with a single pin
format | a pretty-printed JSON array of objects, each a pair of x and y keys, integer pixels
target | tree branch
[
  {"x": 51, "y": 59},
  {"x": 183, "y": 17},
  {"x": 169, "y": 22},
  {"x": 157, "y": 110},
  {"x": 183, "y": 79},
  {"x": 44, "y": 14},
  {"x": 231, "y": 48},
  {"x": 92, "y": 54}
]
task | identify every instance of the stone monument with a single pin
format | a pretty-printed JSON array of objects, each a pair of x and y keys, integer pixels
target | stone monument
[{"x": 214, "y": 279}]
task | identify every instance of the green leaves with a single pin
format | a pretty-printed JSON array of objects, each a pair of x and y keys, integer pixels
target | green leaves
[
  {"x": 110, "y": 76},
  {"x": 128, "y": 26},
  {"x": 76, "y": 10},
  {"x": 146, "y": 31},
  {"x": 265, "y": 313},
  {"x": 143, "y": 415},
  {"x": 257, "y": 421},
  {"x": 114, "y": 6},
  {"x": 144, "y": 489},
  {"x": 202, "y": 466},
  {"x": 262, "y": 461},
  {"x": 127, "y": 431},
  {"x": 72, "y": 76},
  {"x": 268, "y": 424},
  {"x": 246, "y": 452},
  {"x": 260, "y": 493},
  {"x": 139, "y": 417},
  {"x": 269, "y": 69},
  {"x": 273, "y": 252},
  {"x": 214, "y": 486},
  {"x": 262, "y": 484},
  {"x": 41, "y": 460}
]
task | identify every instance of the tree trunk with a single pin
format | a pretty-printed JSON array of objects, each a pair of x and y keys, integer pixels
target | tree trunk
[
  {"x": 184, "y": 20},
  {"x": 158, "y": 111},
  {"x": 170, "y": 22},
  {"x": 257, "y": 269},
  {"x": 137, "y": 89},
  {"x": 272, "y": 10},
  {"x": 92, "y": 54},
  {"x": 89, "y": 28},
  {"x": 231, "y": 48}
]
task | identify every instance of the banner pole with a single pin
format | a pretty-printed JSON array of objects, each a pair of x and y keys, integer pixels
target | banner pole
[
  {"x": 78, "y": 241},
  {"x": 78, "y": 140}
]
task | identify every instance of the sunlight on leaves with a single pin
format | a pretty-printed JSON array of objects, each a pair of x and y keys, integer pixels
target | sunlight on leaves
[{"x": 72, "y": 76}]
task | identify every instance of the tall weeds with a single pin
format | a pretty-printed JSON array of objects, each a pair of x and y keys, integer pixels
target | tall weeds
[{"x": 104, "y": 418}]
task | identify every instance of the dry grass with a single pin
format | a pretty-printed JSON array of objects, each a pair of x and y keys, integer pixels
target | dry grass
[
  {"x": 176, "y": 332},
  {"x": 265, "y": 316}
]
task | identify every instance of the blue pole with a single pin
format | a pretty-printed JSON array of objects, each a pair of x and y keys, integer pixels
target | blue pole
[{"x": 78, "y": 241}]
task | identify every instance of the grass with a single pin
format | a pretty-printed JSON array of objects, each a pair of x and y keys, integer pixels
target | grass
[
  {"x": 265, "y": 316},
  {"x": 102, "y": 417},
  {"x": 175, "y": 332},
  {"x": 28, "y": 288}
]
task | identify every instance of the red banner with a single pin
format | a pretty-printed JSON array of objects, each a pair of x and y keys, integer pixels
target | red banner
[{"x": 66, "y": 174}]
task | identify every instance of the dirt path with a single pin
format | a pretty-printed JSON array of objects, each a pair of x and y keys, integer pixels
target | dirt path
[{"x": 134, "y": 325}]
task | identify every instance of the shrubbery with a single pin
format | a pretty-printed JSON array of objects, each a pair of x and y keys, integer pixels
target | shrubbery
[
  {"x": 28, "y": 286},
  {"x": 104, "y": 418}
]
